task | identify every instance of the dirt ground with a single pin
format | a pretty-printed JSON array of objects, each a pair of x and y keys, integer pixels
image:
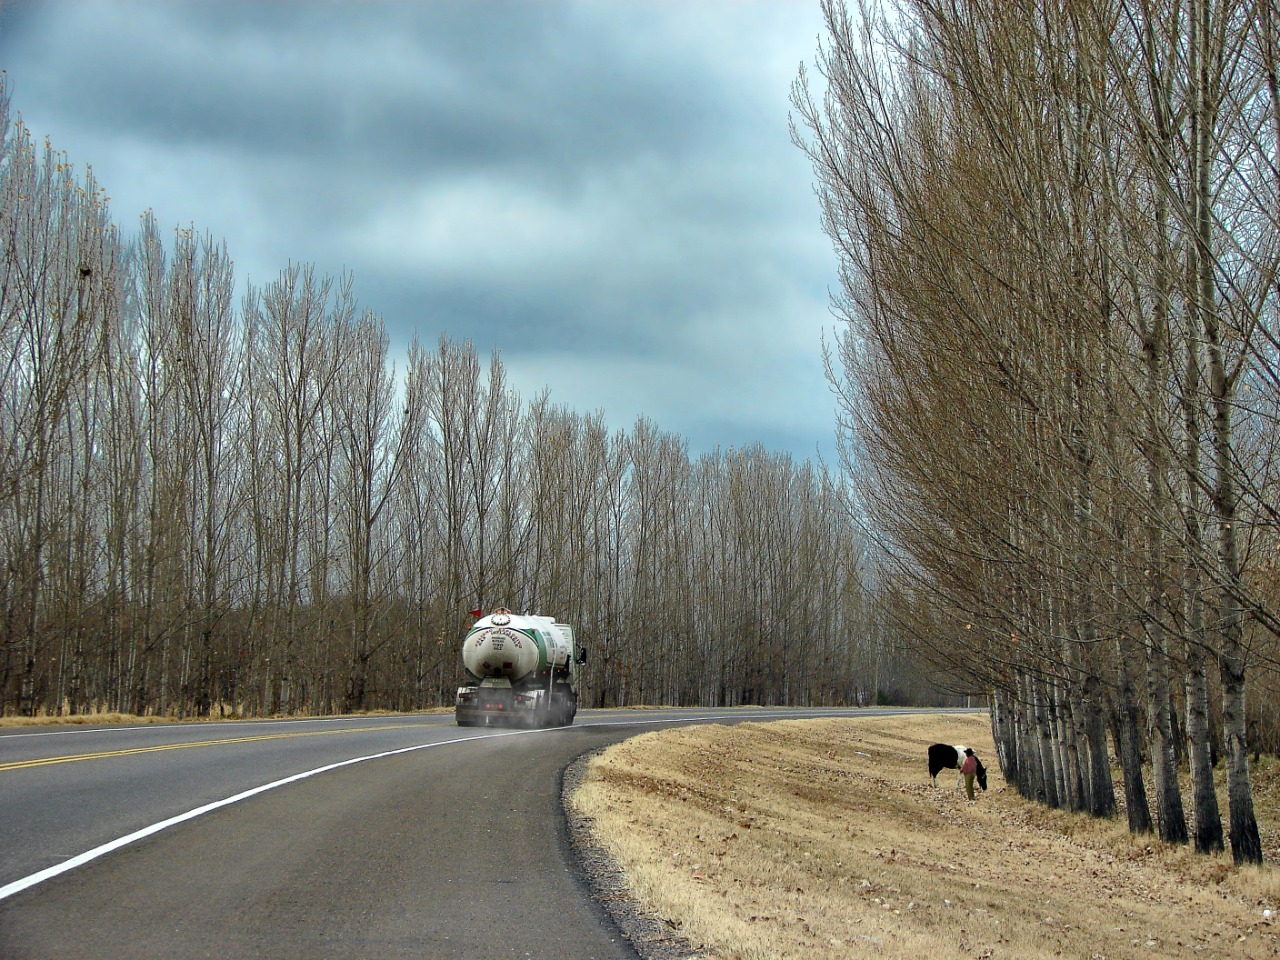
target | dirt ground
[{"x": 826, "y": 838}]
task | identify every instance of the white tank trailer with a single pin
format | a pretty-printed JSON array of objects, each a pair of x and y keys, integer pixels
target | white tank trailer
[{"x": 522, "y": 671}]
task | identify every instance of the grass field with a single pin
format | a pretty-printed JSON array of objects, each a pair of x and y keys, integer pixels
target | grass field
[
  {"x": 825, "y": 838},
  {"x": 82, "y": 719}
]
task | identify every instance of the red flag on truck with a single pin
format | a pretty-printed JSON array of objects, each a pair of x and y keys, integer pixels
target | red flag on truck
[{"x": 477, "y": 613}]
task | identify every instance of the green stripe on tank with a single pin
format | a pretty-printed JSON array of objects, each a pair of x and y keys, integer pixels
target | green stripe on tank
[{"x": 542, "y": 648}]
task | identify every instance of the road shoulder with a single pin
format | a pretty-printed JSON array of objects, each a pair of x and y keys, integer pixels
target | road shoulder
[{"x": 652, "y": 937}]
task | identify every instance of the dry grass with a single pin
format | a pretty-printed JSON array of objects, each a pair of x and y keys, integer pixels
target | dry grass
[
  {"x": 825, "y": 838},
  {"x": 80, "y": 719}
]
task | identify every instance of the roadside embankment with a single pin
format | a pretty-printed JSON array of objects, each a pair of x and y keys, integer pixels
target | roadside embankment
[{"x": 825, "y": 838}]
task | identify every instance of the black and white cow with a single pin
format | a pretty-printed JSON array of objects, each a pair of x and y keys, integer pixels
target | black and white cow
[{"x": 945, "y": 756}]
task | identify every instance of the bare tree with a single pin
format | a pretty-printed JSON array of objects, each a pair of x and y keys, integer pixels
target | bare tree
[
  {"x": 294, "y": 334},
  {"x": 50, "y": 339},
  {"x": 474, "y": 424},
  {"x": 368, "y": 463}
]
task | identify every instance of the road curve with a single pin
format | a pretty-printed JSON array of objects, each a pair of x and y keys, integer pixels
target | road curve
[{"x": 439, "y": 844}]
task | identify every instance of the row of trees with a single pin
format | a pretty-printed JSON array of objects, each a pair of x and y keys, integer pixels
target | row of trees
[
  {"x": 217, "y": 506},
  {"x": 1059, "y": 228}
]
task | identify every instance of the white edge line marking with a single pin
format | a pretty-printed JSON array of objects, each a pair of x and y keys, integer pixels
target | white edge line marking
[
  {"x": 49, "y": 873},
  {"x": 17, "y": 886}
]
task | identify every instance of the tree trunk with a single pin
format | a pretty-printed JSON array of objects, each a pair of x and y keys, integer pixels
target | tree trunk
[
  {"x": 1101, "y": 793},
  {"x": 1129, "y": 742},
  {"x": 1246, "y": 847}
]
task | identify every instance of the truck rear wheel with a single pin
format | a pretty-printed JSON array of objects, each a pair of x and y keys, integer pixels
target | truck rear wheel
[{"x": 565, "y": 708}]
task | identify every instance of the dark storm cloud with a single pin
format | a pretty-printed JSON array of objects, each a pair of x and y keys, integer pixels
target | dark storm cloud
[
  {"x": 428, "y": 88},
  {"x": 604, "y": 191}
]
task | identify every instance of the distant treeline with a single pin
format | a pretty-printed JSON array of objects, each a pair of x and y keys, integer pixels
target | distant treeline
[{"x": 211, "y": 506}]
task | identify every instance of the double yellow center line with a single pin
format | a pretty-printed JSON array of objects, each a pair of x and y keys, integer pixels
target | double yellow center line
[{"x": 107, "y": 754}]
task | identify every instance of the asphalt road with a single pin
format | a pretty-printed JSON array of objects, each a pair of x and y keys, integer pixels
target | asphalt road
[{"x": 402, "y": 836}]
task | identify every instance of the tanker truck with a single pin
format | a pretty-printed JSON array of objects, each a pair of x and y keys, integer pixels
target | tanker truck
[{"x": 522, "y": 671}]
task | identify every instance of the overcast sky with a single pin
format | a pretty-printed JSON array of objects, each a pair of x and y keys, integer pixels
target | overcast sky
[{"x": 605, "y": 192}]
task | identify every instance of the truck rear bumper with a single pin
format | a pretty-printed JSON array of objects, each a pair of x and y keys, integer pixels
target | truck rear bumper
[
  {"x": 493, "y": 707},
  {"x": 503, "y": 707},
  {"x": 480, "y": 717}
]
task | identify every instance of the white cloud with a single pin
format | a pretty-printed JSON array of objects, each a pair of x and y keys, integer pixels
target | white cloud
[{"x": 474, "y": 228}]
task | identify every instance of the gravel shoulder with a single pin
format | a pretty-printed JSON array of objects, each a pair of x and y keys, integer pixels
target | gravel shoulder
[{"x": 653, "y": 938}]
